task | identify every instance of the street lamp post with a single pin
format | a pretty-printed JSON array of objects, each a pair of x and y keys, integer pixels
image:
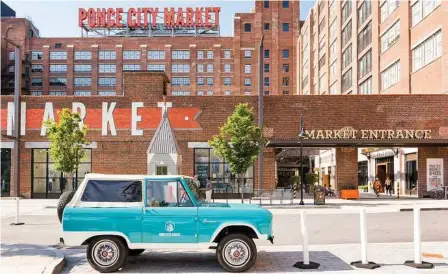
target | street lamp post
[
  {"x": 301, "y": 136},
  {"x": 17, "y": 124}
]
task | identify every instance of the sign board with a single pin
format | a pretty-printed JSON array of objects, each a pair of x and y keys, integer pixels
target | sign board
[
  {"x": 144, "y": 18},
  {"x": 381, "y": 134},
  {"x": 434, "y": 173},
  {"x": 202, "y": 172},
  {"x": 109, "y": 118}
]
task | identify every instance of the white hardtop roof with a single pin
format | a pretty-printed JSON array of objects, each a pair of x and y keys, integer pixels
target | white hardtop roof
[{"x": 130, "y": 176}]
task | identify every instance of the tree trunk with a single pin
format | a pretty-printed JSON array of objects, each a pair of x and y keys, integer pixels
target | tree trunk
[
  {"x": 241, "y": 181},
  {"x": 68, "y": 184}
]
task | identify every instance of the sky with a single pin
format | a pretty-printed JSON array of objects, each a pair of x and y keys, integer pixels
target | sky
[{"x": 60, "y": 18}]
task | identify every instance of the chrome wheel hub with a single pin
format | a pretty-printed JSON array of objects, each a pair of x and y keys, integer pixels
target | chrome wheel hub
[
  {"x": 105, "y": 253},
  {"x": 236, "y": 253}
]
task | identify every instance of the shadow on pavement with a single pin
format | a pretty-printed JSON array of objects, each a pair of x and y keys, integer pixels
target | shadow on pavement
[
  {"x": 194, "y": 262},
  {"x": 21, "y": 250}
]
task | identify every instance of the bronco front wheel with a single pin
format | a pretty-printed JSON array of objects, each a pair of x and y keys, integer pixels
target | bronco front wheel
[
  {"x": 236, "y": 253},
  {"x": 107, "y": 254}
]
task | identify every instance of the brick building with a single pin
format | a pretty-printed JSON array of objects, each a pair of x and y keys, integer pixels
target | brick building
[
  {"x": 196, "y": 64},
  {"x": 120, "y": 141},
  {"x": 374, "y": 47}
]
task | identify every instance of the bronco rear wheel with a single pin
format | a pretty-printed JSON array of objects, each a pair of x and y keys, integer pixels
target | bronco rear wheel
[
  {"x": 236, "y": 253},
  {"x": 107, "y": 253}
]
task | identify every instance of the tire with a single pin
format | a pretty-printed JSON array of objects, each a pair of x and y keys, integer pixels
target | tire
[
  {"x": 64, "y": 199},
  {"x": 113, "y": 247},
  {"x": 135, "y": 252},
  {"x": 243, "y": 246}
]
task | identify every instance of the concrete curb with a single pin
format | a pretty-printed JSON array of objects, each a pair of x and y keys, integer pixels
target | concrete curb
[{"x": 58, "y": 263}]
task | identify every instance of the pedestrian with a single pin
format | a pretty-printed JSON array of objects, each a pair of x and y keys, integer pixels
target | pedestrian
[
  {"x": 376, "y": 187},
  {"x": 208, "y": 191},
  {"x": 388, "y": 186}
]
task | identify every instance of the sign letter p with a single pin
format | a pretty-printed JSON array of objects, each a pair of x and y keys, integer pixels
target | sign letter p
[{"x": 82, "y": 15}]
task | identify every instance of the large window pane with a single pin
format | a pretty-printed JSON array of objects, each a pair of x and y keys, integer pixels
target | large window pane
[
  {"x": 112, "y": 191},
  {"x": 39, "y": 185}
]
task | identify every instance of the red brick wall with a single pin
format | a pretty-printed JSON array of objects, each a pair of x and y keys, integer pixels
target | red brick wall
[
  {"x": 127, "y": 154},
  {"x": 346, "y": 168},
  {"x": 423, "y": 154}
]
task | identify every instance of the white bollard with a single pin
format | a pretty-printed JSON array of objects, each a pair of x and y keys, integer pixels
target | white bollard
[
  {"x": 363, "y": 227},
  {"x": 306, "y": 255},
  {"x": 417, "y": 236},
  {"x": 17, "y": 209}
]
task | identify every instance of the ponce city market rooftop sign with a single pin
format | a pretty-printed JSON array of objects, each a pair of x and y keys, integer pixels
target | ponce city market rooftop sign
[{"x": 148, "y": 17}]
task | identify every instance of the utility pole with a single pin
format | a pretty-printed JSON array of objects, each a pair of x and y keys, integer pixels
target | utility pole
[
  {"x": 17, "y": 122},
  {"x": 260, "y": 112}
]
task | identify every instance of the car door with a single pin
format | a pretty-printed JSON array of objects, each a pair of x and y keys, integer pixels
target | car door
[{"x": 169, "y": 215}]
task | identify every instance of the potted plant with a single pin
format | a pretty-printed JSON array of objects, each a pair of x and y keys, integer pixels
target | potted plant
[
  {"x": 310, "y": 180},
  {"x": 294, "y": 181},
  {"x": 362, "y": 188},
  {"x": 349, "y": 191}
]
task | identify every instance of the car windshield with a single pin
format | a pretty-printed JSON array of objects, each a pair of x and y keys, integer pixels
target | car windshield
[{"x": 194, "y": 187}]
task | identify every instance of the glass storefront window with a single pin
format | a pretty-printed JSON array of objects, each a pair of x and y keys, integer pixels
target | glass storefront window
[
  {"x": 5, "y": 171},
  {"x": 208, "y": 166},
  {"x": 47, "y": 182}
]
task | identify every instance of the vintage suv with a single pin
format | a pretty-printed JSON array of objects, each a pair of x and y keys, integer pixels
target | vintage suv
[{"x": 118, "y": 216}]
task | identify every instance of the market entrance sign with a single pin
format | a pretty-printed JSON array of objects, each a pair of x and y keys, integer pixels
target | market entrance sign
[
  {"x": 149, "y": 17},
  {"x": 368, "y": 134}
]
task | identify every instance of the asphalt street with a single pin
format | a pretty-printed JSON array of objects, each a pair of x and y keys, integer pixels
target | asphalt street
[{"x": 323, "y": 228}]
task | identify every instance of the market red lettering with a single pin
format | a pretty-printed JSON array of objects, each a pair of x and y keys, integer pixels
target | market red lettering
[
  {"x": 190, "y": 15},
  {"x": 169, "y": 17},
  {"x": 146, "y": 12},
  {"x": 208, "y": 17},
  {"x": 92, "y": 17},
  {"x": 101, "y": 15},
  {"x": 119, "y": 17},
  {"x": 154, "y": 13},
  {"x": 131, "y": 20},
  {"x": 180, "y": 18},
  {"x": 199, "y": 22},
  {"x": 140, "y": 17},
  {"x": 110, "y": 17},
  {"x": 82, "y": 15},
  {"x": 216, "y": 10}
]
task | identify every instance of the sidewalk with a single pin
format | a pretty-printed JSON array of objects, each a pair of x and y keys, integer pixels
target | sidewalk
[
  {"x": 30, "y": 259},
  {"x": 277, "y": 259}
]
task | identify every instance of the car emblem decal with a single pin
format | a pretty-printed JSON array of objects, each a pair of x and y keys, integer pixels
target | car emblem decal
[{"x": 169, "y": 226}]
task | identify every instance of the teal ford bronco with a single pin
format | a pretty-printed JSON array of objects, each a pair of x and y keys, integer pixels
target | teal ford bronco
[{"x": 118, "y": 216}]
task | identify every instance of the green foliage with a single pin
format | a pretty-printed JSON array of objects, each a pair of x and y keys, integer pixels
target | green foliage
[
  {"x": 311, "y": 178},
  {"x": 67, "y": 139},
  {"x": 364, "y": 187},
  {"x": 239, "y": 140},
  {"x": 294, "y": 180},
  {"x": 346, "y": 186}
]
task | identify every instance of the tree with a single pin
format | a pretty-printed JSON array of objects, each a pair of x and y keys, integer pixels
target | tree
[
  {"x": 238, "y": 141},
  {"x": 67, "y": 138}
]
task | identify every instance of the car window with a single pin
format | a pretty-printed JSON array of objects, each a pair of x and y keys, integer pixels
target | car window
[
  {"x": 184, "y": 199},
  {"x": 112, "y": 191},
  {"x": 161, "y": 193}
]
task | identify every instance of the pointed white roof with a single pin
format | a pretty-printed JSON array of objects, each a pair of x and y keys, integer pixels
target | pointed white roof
[{"x": 164, "y": 141}]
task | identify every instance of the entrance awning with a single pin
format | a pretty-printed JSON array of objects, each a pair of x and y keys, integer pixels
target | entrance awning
[{"x": 360, "y": 143}]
